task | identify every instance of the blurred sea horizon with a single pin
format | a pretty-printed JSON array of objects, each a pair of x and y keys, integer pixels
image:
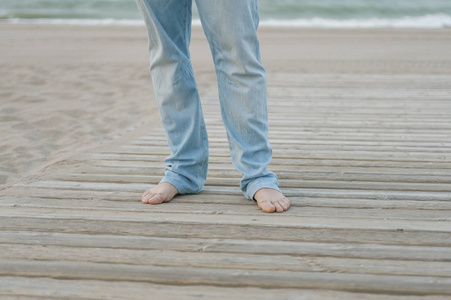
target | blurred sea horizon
[{"x": 289, "y": 13}]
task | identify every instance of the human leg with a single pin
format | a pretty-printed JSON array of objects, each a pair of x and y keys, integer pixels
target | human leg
[
  {"x": 230, "y": 27},
  {"x": 168, "y": 25}
]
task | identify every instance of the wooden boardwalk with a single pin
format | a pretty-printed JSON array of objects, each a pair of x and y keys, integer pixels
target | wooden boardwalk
[{"x": 365, "y": 160}]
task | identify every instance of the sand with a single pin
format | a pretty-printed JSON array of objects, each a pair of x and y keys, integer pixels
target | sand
[{"x": 69, "y": 89}]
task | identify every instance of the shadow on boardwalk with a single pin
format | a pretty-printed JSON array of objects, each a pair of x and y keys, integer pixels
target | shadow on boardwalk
[{"x": 365, "y": 160}]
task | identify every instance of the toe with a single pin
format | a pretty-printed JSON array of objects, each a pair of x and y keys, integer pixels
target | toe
[
  {"x": 266, "y": 206},
  {"x": 278, "y": 206},
  {"x": 286, "y": 203},
  {"x": 283, "y": 204},
  {"x": 146, "y": 197},
  {"x": 156, "y": 199}
]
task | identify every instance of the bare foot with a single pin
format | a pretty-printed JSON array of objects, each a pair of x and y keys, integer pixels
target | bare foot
[
  {"x": 164, "y": 192},
  {"x": 270, "y": 200}
]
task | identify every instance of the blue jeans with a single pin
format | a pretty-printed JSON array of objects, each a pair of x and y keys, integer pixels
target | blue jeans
[{"x": 230, "y": 27}]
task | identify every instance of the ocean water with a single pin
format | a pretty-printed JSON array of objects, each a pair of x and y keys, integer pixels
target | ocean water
[{"x": 298, "y": 13}]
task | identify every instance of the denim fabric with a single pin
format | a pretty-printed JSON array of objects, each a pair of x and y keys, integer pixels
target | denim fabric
[{"x": 230, "y": 27}]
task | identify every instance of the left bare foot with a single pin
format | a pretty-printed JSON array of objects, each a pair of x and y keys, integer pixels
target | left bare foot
[{"x": 270, "y": 200}]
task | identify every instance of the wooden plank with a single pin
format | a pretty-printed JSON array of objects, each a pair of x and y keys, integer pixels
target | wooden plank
[
  {"x": 25, "y": 192},
  {"x": 365, "y": 99},
  {"x": 215, "y": 217},
  {"x": 286, "y": 163},
  {"x": 300, "y": 109},
  {"x": 50, "y": 288},
  {"x": 325, "y": 85},
  {"x": 343, "y": 83},
  {"x": 389, "y": 92},
  {"x": 111, "y": 199},
  {"x": 361, "y": 100},
  {"x": 417, "y": 146},
  {"x": 370, "y": 81},
  {"x": 369, "y": 194},
  {"x": 329, "y": 153},
  {"x": 240, "y": 207},
  {"x": 381, "y": 174},
  {"x": 281, "y": 138},
  {"x": 438, "y": 150},
  {"x": 346, "y": 100},
  {"x": 284, "y": 183},
  {"x": 398, "y": 236},
  {"x": 225, "y": 260},
  {"x": 297, "y": 156},
  {"x": 410, "y": 285},
  {"x": 444, "y": 129},
  {"x": 343, "y": 79},
  {"x": 179, "y": 242},
  {"x": 20, "y": 196},
  {"x": 282, "y": 147},
  {"x": 373, "y": 98},
  {"x": 226, "y": 168},
  {"x": 220, "y": 190},
  {"x": 286, "y": 178},
  {"x": 216, "y": 128}
]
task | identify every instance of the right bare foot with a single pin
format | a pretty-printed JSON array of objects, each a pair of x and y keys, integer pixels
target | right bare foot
[{"x": 164, "y": 192}]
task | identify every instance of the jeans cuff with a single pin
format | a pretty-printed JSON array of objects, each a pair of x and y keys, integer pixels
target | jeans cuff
[
  {"x": 270, "y": 182},
  {"x": 180, "y": 183}
]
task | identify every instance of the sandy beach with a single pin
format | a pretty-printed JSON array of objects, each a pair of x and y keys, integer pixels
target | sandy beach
[{"x": 67, "y": 89}]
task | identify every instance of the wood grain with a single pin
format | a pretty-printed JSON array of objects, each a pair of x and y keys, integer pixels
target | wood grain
[{"x": 364, "y": 159}]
